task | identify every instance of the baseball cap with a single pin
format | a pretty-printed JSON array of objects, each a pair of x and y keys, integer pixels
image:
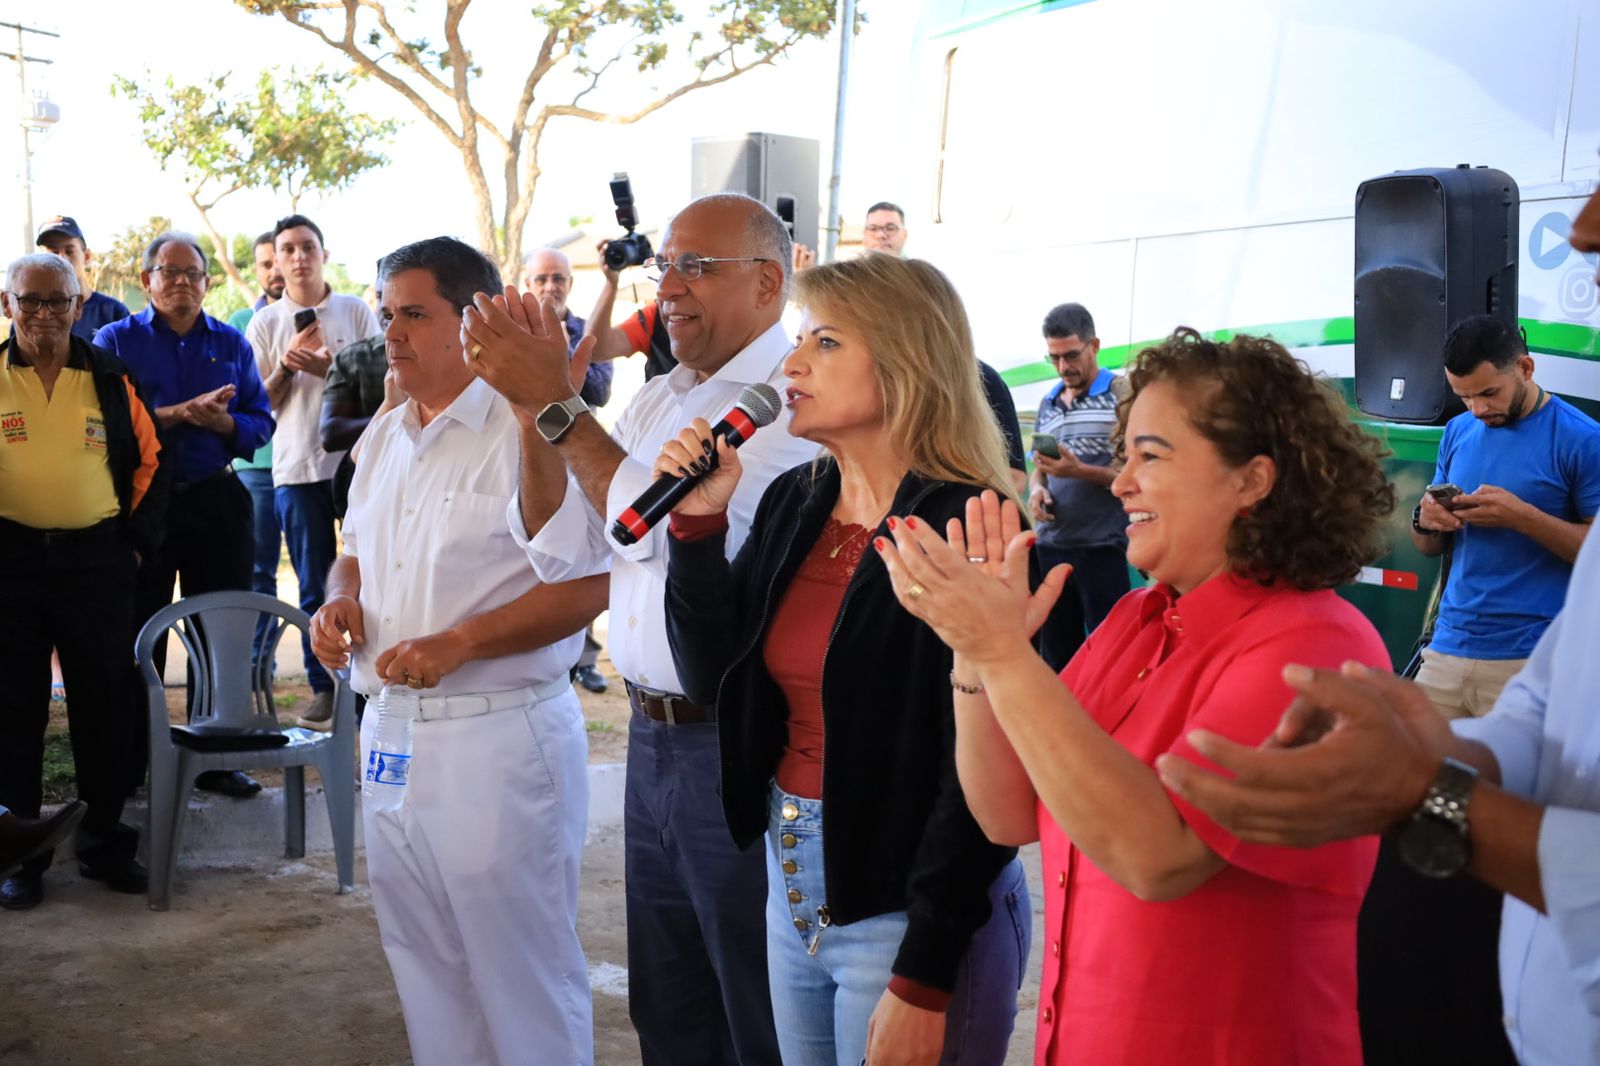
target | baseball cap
[{"x": 61, "y": 224}]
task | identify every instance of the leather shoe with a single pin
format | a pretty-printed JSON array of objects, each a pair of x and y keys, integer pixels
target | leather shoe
[
  {"x": 589, "y": 678},
  {"x": 126, "y": 876},
  {"x": 23, "y": 838},
  {"x": 235, "y": 783},
  {"x": 22, "y": 891}
]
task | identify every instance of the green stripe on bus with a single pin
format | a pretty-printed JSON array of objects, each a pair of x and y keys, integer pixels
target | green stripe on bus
[{"x": 1566, "y": 339}]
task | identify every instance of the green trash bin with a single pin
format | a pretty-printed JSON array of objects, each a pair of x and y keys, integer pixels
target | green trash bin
[{"x": 1397, "y": 591}]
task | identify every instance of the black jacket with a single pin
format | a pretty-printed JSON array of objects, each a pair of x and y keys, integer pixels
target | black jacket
[
  {"x": 896, "y": 829},
  {"x": 132, "y": 443}
]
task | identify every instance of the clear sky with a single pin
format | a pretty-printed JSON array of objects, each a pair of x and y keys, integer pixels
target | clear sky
[{"x": 93, "y": 166}]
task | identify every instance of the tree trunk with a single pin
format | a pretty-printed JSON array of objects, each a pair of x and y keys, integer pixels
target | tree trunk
[{"x": 224, "y": 252}]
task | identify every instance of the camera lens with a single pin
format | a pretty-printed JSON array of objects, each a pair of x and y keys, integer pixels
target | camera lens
[{"x": 617, "y": 254}]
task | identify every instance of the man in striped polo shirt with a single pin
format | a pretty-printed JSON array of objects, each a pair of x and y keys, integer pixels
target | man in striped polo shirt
[{"x": 1079, "y": 521}]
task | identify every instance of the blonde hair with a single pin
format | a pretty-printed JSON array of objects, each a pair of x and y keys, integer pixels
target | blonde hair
[{"x": 934, "y": 407}]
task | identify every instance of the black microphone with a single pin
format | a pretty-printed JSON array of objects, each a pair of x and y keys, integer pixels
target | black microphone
[{"x": 758, "y": 406}]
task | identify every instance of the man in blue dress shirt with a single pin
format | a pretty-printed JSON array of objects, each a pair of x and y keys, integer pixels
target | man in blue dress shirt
[
  {"x": 62, "y": 236},
  {"x": 201, "y": 376},
  {"x": 1512, "y": 798}
]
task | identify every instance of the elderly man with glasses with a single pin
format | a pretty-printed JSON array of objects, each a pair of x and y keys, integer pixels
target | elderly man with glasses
[
  {"x": 82, "y": 494},
  {"x": 697, "y": 972},
  {"x": 212, "y": 408}
]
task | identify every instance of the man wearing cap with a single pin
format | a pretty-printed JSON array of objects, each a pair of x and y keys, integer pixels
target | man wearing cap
[
  {"x": 62, "y": 236},
  {"x": 82, "y": 491},
  {"x": 201, "y": 376}
]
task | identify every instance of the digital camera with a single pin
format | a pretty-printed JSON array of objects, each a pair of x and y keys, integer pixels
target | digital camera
[{"x": 634, "y": 248}]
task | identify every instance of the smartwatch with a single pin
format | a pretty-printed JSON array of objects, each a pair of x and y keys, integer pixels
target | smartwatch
[
  {"x": 557, "y": 418},
  {"x": 1433, "y": 841}
]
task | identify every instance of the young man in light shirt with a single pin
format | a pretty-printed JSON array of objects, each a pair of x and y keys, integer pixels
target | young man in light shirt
[
  {"x": 293, "y": 363},
  {"x": 475, "y": 877}
]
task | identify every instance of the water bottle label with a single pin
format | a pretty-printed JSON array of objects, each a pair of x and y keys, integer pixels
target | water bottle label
[{"x": 387, "y": 768}]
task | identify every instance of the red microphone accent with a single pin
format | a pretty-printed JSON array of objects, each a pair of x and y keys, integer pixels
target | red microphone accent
[
  {"x": 634, "y": 523},
  {"x": 741, "y": 423}
]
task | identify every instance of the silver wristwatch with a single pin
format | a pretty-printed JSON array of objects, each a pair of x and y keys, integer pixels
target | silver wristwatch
[{"x": 557, "y": 418}]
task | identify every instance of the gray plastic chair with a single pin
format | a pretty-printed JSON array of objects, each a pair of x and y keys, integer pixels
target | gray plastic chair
[{"x": 233, "y": 726}]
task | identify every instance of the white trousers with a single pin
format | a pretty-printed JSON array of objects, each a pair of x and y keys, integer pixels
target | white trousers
[{"x": 475, "y": 885}]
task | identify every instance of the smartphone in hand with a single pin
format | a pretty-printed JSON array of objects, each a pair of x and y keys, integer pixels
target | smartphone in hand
[
  {"x": 1045, "y": 444},
  {"x": 1444, "y": 492},
  {"x": 303, "y": 318}
]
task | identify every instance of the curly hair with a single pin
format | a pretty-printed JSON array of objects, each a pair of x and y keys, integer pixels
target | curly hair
[{"x": 1323, "y": 519}]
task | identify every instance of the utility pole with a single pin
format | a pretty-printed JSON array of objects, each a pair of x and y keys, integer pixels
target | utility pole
[
  {"x": 29, "y": 118},
  {"x": 847, "y": 28}
]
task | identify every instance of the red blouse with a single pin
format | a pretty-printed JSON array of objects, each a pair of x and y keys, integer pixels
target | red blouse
[{"x": 1257, "y": 965}]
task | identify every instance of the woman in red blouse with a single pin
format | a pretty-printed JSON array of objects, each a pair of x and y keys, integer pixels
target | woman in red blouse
[{"x": 1249, "y": 496}]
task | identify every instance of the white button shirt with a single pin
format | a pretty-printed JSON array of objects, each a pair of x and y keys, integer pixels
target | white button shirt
[
  {"x": 427, "y": 521},
  {"x": 297, "y": 455},
  {"x": 576, "y": 536}
]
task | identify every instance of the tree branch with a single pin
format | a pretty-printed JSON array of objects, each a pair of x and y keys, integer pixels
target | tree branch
[
  {"x": 571, "y": 110},
  {"x": 347, "y": 45}
]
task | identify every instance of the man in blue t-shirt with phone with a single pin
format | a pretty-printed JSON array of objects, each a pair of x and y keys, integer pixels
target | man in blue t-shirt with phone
[{"x": 1516, "y": 490}]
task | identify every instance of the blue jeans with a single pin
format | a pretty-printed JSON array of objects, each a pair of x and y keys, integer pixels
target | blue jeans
[
  {"x": 305, "y": 512},
  {"x": 268, "y": 540},
  {"x": 822, "y": 1002},
  {"x": 697, "y": 940}
]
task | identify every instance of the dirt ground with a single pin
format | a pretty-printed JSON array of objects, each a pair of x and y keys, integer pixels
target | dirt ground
[{"x": 264, "y": 963}]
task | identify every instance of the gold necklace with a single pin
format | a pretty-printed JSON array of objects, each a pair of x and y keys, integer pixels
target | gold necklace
[{"x": 839, "y": 546}]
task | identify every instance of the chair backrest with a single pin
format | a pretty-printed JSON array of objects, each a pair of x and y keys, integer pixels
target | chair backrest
[{"x": 218, "y": 630}]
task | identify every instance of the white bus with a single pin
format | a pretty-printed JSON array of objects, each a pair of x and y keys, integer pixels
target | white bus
[{"x": 1195, "y": 162}]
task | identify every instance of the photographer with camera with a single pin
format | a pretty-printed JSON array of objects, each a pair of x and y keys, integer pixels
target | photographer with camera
[{"x": 643, "y": 331}]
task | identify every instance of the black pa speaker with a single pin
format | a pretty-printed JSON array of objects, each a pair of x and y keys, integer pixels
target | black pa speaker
[
  {"x": 1432, "y": 247},
  {"x": 769, "y": 166}
]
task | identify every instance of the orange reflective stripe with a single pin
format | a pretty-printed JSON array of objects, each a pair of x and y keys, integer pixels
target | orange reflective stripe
[{"x": 144, "y": 431}]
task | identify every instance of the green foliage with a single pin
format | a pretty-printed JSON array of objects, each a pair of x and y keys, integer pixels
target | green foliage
[
  {"x": 223, "y": 300},
  {"x": 60, "y": 772},
  {"x": 416, "y": 48},
  {"x": 337, "y": 275},
  {"x": 119, "y": 266},
  {"x": 291, "y": 133}
]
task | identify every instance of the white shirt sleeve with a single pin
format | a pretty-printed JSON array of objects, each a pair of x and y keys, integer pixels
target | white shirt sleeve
[{"x": 568, "y": 546}]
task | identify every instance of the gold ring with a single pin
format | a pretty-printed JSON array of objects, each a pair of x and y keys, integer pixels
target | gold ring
[
  {"x": 414, "y": 682},
  {"x": 916, "y": 591},
  {"x": 475, "y": 351}
]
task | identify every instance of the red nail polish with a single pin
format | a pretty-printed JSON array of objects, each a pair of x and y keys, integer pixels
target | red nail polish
[
  {"x": 879, "y": 543},
  {"x": 894, "y": 523},
  {"x": 911, "y": 523}
]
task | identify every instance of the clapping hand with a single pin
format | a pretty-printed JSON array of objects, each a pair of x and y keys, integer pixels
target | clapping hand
[
  {"x": 971, "y": 586},
  {"x": 518, "y": 344}
]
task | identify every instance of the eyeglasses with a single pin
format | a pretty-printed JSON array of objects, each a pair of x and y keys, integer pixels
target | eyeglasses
[
  {"x": 56, "y": 305},
  {"x": 888, "y": 231},
  {"x": 192, "y": 275},
  {"x": 690, "y": 266}
]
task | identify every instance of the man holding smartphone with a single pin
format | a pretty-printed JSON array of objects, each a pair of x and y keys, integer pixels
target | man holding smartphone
[
  {"x": 1530, "y": 466},
  {"x": 294, "y": 341},
  {"x": 1079, "y": 521}
]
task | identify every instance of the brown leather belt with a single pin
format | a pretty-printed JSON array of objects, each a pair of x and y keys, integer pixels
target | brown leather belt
[{"x": 668, "y": 708}]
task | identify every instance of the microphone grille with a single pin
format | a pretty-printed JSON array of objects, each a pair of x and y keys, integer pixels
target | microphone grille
[{"x": 760, "y": 401}]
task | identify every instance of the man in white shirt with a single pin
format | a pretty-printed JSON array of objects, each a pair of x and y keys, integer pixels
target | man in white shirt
[
  {"x": 697, "y": 976},
  {"x": 293, "y": 361},
  {"x": 475, "y": 877}
]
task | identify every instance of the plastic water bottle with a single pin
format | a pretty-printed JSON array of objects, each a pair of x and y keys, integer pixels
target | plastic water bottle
[{"x": 389, "y": 761}]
